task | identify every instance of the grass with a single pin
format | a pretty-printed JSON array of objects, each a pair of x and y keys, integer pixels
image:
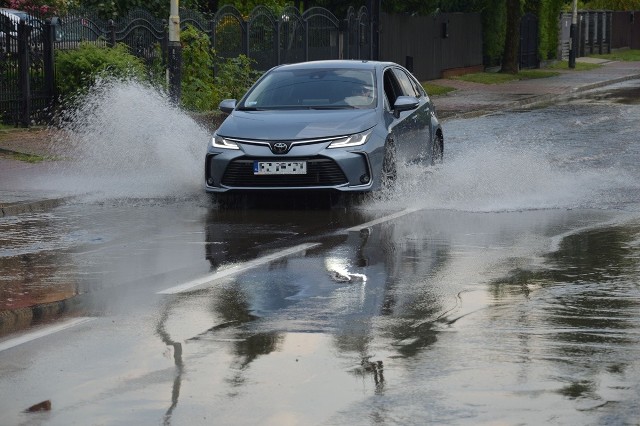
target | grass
[
  {"x": 436, "y": 89},
  {"x": 580, "y": 66},
  {"x": 28, "y": 158},
  {"x": 497, "y": 78},
  {"x": 621, "y": 55}
]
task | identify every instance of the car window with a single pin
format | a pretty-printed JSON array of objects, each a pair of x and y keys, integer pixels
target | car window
[
  {"x": 392, "y": 88},
  {"x": 328, "y": 88},
  {"x": 407, "y": 86},
  {"x": 417, "y": 86}
]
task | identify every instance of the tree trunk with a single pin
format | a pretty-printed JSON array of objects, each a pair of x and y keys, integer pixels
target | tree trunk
[{"x": 512, "y": 38}]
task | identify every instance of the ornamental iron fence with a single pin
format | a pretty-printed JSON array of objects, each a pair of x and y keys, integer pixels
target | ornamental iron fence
[
  {"x": 26, "y": 68},
  {"x": 27, "y": 89}
]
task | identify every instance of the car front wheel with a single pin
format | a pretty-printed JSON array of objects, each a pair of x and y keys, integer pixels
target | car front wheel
[
  {"x": 389, "y": 167},
  {"x": 437, "y": 150}
]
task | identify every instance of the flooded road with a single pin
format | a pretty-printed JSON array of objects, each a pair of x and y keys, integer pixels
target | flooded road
[{"x": 500, "y": 287}]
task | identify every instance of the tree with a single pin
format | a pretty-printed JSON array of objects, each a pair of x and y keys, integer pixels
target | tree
[
  {"x": 512, "y": 37},
  {"x": 613, "y": 5},
  {"x": 39, "y": 7}
]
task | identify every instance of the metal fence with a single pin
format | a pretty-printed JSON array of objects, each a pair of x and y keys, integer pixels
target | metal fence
[
  {"x": 594, "y": 33},
  {"x": 429, "y": 46},
  {"x": 26, "y": 69},
  {"x": 625, "y": 30},
  {"x": 26, "y": 56}
]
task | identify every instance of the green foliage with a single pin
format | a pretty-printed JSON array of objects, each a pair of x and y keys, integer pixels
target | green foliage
[
  {"x": 201, "y": 91},
  {"x": 246, "y": 6},
  {"x": 234, "y": 77},
  {"x": 580, "y": 66},
  {"x": 436, "y": 89},
  {"x": 28, "y": 158},
  {"x": 494, "y": 27},
  {"x": 117, "y": 8},
  {"x": 547, "y": 12},
  {"x": 78, "y": 69},
  {"x": 198, "y": 93},
  {"x": 497, "y": 78},
  {"x": 621, "y": 55},
  {"x": 612, "y": 5},
  {"x": 42, "y": 8}
]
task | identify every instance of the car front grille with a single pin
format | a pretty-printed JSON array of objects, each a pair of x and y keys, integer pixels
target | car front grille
[{"x": 320, "y": 172}]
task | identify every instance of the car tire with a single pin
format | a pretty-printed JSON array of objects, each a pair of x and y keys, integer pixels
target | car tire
[
  {"x": 437, "y": 150},
  {"x": 389, "y": 167}
]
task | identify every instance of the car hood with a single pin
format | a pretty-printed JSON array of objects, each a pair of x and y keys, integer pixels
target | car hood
[{"x": 293, "y": 125}]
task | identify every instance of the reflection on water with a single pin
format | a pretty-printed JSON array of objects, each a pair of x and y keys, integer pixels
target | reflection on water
[
  {"x": 33, "y": 273},
  {"x": 466, "y": 315},
  {"x": 583, "y": 317},
  {"x": 527, "y": 313}
]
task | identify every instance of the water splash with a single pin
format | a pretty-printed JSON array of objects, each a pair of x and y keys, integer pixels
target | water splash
[
  {"x": 491, "y": 165},
  {"x": 125, "y": 139}
]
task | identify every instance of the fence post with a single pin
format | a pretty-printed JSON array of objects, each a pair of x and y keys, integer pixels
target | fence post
[
  {"x": 306, "y": 40},
  {"x": 48, "y": 61},
  {"x": 23, "y": 71},
  {"x": 111, "y": 30},
  {"x": 277, "y": 41},
  {"x": 245, "y": 37},
  {"x": 174, "y": 54}
]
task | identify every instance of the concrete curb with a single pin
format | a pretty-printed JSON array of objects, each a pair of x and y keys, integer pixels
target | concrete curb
[
  {"x": 13, "y": 209},
  {"x": 12, "y": 320}
]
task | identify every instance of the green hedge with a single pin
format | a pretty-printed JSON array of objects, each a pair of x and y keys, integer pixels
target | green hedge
[{"x": 77, "y": 69}]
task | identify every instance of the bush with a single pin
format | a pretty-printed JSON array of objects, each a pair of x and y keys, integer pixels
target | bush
[
  {"x": 234, "y": 77},
  {"x": 78, "y": 69},
  {"x": 197, "y": 91},
  {"x": 200, "y": 90}
]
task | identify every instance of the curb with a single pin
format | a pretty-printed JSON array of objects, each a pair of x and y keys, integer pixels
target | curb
[
  {"x": 13, "y": 209},
  {"x": 12, "y": 320}
]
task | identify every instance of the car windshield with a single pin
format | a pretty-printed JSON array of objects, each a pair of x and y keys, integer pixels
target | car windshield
[{"x": 322, "y": 88}]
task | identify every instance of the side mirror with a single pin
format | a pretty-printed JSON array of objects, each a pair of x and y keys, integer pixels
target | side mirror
[
  {"x": 404, "y": 103},
  {"x": 227, "y": 106}
]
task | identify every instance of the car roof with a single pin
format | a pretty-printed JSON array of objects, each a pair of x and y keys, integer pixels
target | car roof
[{"x": 337, "y": 63}]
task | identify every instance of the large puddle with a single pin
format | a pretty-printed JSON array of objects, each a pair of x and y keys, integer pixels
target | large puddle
[{"x": 509, "y": 296}]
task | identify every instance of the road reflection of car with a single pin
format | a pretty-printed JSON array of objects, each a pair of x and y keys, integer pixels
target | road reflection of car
[{"x": 340, "y": 125}]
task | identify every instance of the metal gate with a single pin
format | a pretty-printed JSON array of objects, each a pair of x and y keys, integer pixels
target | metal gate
[
  {"x": 529, "y": 41},
  {"x": 26, "y": 69}
]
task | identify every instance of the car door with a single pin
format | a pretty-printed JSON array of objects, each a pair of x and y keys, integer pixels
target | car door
[{"x": 410, "y": 128}]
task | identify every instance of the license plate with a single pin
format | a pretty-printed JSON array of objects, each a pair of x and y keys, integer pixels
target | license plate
[{"x": 279, "y": 167}]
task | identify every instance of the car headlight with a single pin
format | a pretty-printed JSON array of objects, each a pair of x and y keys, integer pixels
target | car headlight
[
  {"x": 220, "y": 142},
  {"x": 353, "y": 140}
]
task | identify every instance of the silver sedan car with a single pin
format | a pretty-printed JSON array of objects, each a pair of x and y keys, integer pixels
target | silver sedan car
[{"x": 339, "y": 125}]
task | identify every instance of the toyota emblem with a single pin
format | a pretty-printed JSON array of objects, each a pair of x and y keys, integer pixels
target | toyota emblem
[{"x": 279, "y": 148}]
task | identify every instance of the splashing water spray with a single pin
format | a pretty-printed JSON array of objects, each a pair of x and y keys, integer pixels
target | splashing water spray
[{"x": 125, "y": 139}]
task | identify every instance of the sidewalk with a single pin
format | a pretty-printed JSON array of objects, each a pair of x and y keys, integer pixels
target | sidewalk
[
  {"x": 475, "y": 99},
  {"x": 468, "y": 100}
]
